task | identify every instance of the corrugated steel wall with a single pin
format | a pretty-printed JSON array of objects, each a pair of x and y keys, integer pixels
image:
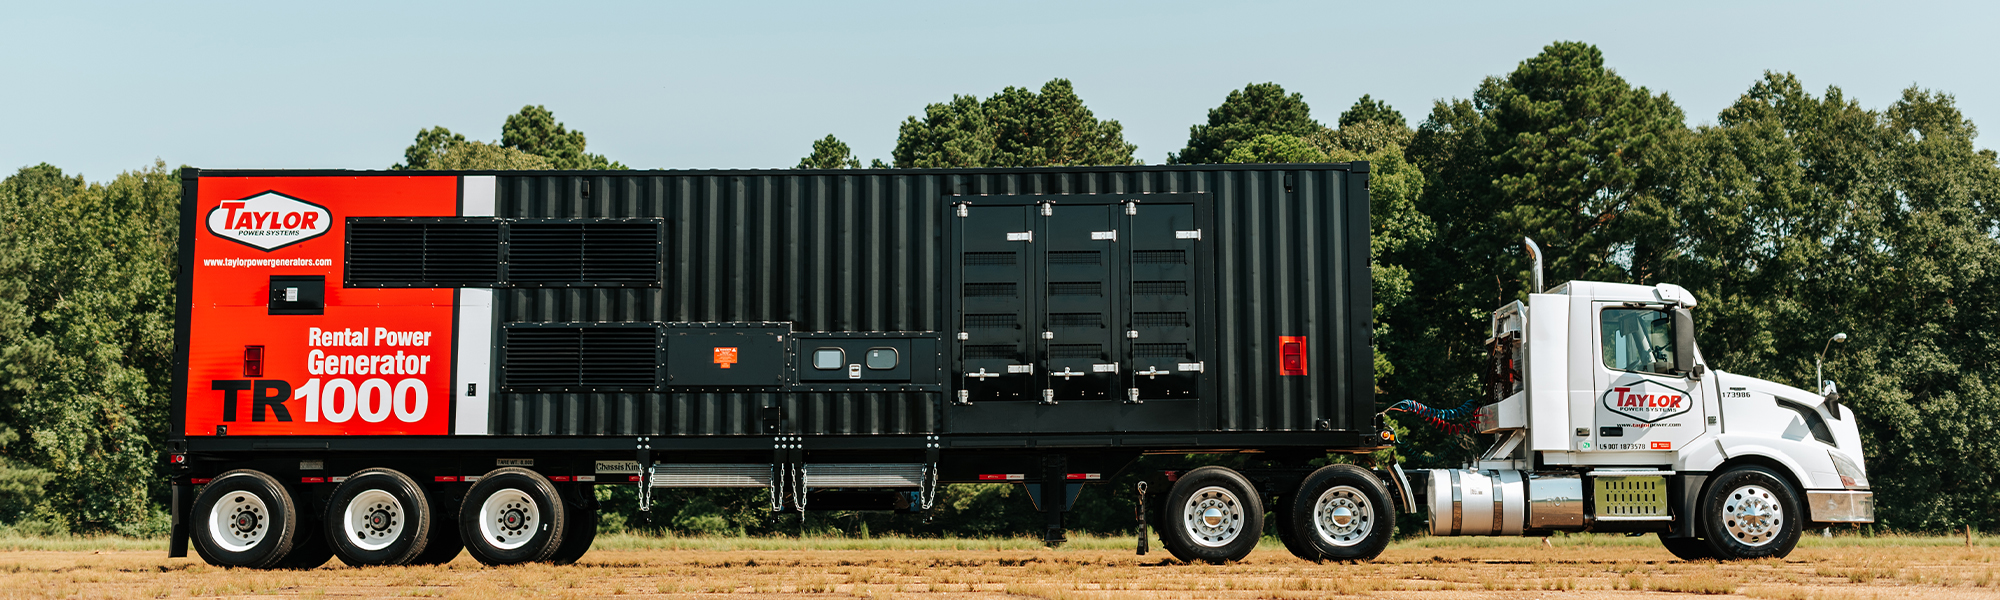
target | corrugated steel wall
[{"x": 865, "y": 251}]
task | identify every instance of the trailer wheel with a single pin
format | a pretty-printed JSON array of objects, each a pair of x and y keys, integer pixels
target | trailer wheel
[
  {"x": 581, "y": 531},
  {"x": 244, "y": 519},
  {"x": 1212, "y": 515},
  {"x": 378, "y": 517},
  {"x": 1750, "y": 512},
  {"x": 1340, "y": 512},
  {"x": 1688, "y": 549},
  {"x": 512, "y": 516}
]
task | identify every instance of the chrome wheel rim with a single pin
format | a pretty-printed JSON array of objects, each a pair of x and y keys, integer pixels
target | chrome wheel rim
[
  {"x": 1213, "y": 517},
  {"x": 374, "y": 519},
  {"x": 508, "y": 518},
  {"x": 1753, "y": 515},
  {"x": 239, "y": 521},
  {"x": 1342, "y": 516}
]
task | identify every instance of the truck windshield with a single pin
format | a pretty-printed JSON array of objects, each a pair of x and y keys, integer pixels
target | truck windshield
[{"x": 1638, "y": 339}]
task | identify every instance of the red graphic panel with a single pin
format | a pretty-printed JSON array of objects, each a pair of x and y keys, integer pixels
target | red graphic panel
[{"x": 375, "y": 362}]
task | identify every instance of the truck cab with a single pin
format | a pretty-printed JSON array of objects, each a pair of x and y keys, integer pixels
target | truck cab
[{"x": 1608, "y": 417}]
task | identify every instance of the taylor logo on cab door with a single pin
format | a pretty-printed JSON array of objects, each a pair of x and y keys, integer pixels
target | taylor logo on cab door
[
  {"x": 269, "y": 221},
  {"x": 1647, "y": 400}
]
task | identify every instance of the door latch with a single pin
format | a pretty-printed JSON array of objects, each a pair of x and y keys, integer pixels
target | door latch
[
  {"x": 1132, "y": 396},
  {"x": 1048, "y": 396},
  {"x": 1152, "y": 373},
  {"x": 1067, "y": 373},
  {"x": 982, "y": 374}
]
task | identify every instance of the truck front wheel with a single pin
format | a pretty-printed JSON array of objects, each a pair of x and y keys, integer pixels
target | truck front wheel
[
  {"x": 1750, "y": 512},
  {"x": 1340, "y": 512},
  {"x": 512, "y": 516},
  {"x": 244, "y": 519},
  {"x": 1212, "y": 515}
]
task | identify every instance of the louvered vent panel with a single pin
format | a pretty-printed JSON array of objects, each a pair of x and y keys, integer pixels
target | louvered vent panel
[
  {"x": 580, "y": 358},
  {"x": 403, "y": 254},
  {"x": 1076, "y": 288},
  {"x": 583, "y": 253}
]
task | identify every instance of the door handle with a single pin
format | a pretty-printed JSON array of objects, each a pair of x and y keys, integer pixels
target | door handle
[
  {"x": 1152, "y": 372},
  {"x": 982, "y": 374}
]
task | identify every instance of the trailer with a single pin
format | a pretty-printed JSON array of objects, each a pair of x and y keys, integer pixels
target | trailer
[
  {"x": 389, "y": 366},
  {"x": 392, "y": 367}
]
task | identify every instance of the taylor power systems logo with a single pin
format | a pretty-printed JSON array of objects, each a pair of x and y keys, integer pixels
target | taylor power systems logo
[
  {"x": 268, "y": 221},
  {"x": 1647, "y": 401}
]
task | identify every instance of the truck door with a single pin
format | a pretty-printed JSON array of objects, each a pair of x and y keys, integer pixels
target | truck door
[
  {"x": 1644, "y": 402},
  {"x": 1077, "y": 313}
]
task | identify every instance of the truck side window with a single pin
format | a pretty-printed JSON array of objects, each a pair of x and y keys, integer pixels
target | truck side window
[{"x": 1638, "y": 339}]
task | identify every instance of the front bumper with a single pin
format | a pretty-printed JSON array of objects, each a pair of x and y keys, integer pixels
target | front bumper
[{"x": 1842, "y": 506}]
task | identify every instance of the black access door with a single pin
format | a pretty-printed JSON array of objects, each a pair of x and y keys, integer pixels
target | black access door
[
  {"x": 1162, "y": 247},
  {"x": 999, "y": 302},
  {"x": 1078, "y": 313},
  {"x": 1079, "y": 253}
]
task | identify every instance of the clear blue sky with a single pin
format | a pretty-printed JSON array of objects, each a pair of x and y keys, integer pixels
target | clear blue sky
[{"x": 98, "y": 88}]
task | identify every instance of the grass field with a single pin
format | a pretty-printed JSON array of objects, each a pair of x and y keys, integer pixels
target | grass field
[{"x": 1580, "y": 566}]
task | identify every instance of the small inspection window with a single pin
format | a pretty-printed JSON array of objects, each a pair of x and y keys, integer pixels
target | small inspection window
[
  {"x": 828, "y": 359},
  {"x": 882, "y": 358}
]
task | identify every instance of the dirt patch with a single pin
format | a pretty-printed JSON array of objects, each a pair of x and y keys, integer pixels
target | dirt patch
[{"x": 1409, "y": 570}]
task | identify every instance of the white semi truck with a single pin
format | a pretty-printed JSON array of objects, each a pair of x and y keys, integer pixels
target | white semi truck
[{"x": 1609, "y": 419}]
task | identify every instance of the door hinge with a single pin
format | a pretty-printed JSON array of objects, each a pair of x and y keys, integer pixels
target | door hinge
[
  {"x": 963, "y": 336},
  {"x": 1132, "y": 208},
  {"x": 964, "y": 209},
  {"x": 1104, "y": 235},
  {"x": 1048, "y": 209},
  {"x": 1194, "y": 234},
  {"x": 1021, "y": 236}
]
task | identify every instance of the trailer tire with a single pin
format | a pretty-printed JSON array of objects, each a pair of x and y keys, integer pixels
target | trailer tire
[
  {"x": 244, "y": 518},
  {"x": 1212, "y": 515},
  {"x": 512, "y": 516},
  {"x": 378, "y": 517},
  {"x": 1340, "y": 512},
  {"x": 582, "y": 530},
  {"x": 443, "y": 545},
  {"x": 1737, "y": 513},
  {"x": 1688, "y": 549},
  {"x": 309, "y": 548}
]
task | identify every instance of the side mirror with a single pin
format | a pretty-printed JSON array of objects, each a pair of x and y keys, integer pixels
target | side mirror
[
  {"x": 1832, "y": 394},
  {"x": 1684, "y": 342}
]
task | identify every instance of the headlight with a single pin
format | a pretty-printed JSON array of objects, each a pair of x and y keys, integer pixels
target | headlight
[{"x": 1850, "y": 473}]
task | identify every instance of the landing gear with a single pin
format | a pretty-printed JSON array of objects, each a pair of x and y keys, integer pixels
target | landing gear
[
  {"x": 512, "y": 516},
  {"x": 378, "y": 517},
  {"x": 1340, "y": 512},
  {"x": 244, "y": 519},
  {"x": 1750, "y": 512},
  {"x": 1212, "y": 515}
]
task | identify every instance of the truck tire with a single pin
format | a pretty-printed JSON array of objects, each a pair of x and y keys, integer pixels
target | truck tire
[
  {"x": 512, "y": 516},
  {"x": 1212, "y": 515},
  {"x": 443, "y": 545},
  {"x": 309, "y": 548},
  {"x": 1340, "y": 512},
  {"x": 378, "y": 517},
  {"x": 1688, "y": 549},
  {"x": 1750, "y": 512},
  {"x": 582, "y": 530},
  {"x": 244, "y": 518}
]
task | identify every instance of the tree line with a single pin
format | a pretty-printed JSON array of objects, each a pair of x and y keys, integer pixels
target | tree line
[{"x": 1792, "y": 216}]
